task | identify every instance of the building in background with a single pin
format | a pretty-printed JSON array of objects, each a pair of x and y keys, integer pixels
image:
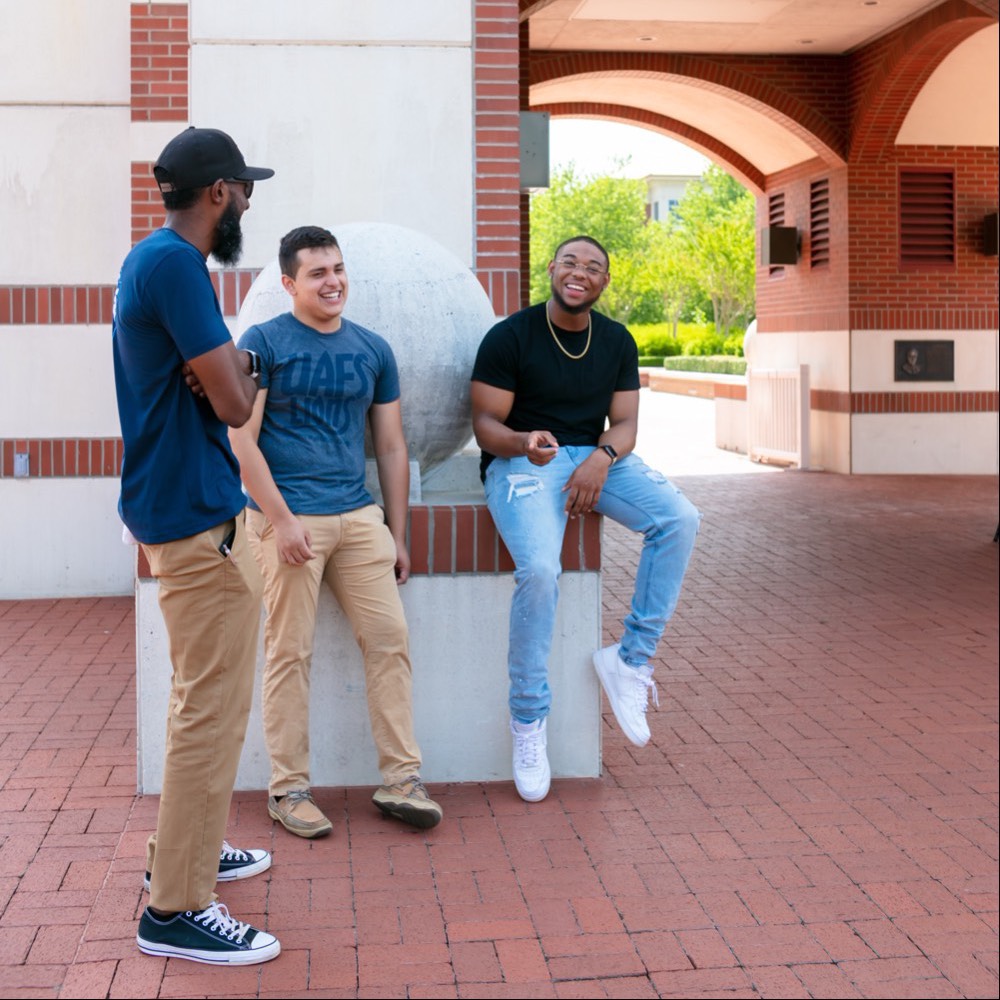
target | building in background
[
  {"x": 663, "y": 194},
  {"x": 869, "y": 130}
]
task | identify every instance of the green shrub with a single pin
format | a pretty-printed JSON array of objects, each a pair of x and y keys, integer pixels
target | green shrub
[
  {"x": 702, "y": 344},
  {"x": 733, "y": 344},
  {"x": 718, "y": 365},
  {"x": 656, "y": 340}
]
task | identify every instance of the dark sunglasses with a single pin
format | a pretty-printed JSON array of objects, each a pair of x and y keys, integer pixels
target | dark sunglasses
[{"x": 247, "y": 185}]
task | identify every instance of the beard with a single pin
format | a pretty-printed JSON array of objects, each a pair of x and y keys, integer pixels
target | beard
[
  {"x": 573, "y": 310},
  {"x": 228, "y": 246}
]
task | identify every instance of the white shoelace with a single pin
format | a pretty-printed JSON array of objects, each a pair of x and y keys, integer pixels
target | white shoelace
[
  {"x": 529, "y": 750},
  {"x": 216, "y": 918},
  {"x": 231, "y": 853},
  {"x": 645, "y": 687}
]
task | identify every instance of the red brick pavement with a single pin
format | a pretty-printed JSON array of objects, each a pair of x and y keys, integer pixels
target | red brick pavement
[{"x": 816, "y": 814}]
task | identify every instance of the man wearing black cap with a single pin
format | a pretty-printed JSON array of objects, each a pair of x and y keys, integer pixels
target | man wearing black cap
[{"x": 181, "y": 499}]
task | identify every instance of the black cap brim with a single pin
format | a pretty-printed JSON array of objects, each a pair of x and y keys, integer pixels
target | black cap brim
[{"x": 254, "y": 174}]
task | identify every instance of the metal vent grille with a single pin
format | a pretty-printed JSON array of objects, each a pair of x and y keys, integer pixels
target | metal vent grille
[
  {"x": 776, "y": 217},
  {"x": 927, "y": 217},
  {"x": 819, "y": 223}
]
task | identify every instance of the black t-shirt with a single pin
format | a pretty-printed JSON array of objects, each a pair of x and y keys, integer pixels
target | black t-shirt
[{"x": 570, "y": 398}]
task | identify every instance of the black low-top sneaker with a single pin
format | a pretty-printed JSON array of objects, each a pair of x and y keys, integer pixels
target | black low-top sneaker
[
  {"x": 234, "y": 864},
  {"x": 210, "y": 936}
]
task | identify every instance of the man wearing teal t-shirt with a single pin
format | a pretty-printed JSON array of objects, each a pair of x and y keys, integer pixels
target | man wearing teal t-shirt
[{"x": 302, "y": 457}]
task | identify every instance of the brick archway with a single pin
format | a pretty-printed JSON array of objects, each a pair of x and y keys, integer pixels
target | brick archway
[
  {"x": 741, "y": 168},
  {"x": 891, "y": 73},
  {"x": 793, "y": 92}
]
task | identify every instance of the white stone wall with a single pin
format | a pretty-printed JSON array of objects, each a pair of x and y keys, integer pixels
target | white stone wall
[
  {"x": 62, "y": 538},
  {"x": 827, "y": 354},
  {"x": 65, "y": 220},
  {"x": 57, "y": 380},
  {"x": 932, "y": 443},
  {"x": 453, "y": 666},
  {"x": 363, "y": 110}
]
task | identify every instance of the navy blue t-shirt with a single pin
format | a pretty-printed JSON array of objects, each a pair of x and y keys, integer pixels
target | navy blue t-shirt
[{"x": 179, "y": 475}]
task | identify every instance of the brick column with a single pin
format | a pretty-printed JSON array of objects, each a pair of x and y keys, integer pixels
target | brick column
[{"x": 497, "y": 153}]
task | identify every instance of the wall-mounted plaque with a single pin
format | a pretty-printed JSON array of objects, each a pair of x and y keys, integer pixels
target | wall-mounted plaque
[{"x": 925, "y": 360}]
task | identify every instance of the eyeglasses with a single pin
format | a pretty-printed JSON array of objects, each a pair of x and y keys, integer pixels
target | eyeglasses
[
  {"x": 573, "y": 264},
  {"x": 247, "y": 185}
]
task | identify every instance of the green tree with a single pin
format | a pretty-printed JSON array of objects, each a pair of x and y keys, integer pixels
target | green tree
[
  {"x": 613, "y": 211},
  {"x": 676, "y": 281},
  {"x": 699, "y": 260},
  {"x": 714, "y": 232}
]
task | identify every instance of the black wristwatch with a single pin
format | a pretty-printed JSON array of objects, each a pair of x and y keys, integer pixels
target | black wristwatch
[
  {"x": 610, "y": 452},
  {"x": 254, "y": 372}
]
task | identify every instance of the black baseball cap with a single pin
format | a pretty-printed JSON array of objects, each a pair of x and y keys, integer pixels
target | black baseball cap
[{"x": 201, "y": 156}]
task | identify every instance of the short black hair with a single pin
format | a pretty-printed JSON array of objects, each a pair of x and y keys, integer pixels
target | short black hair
[
  {"x": 584, "y": 239},
  {"x": 302, "y": 238},
  {"x": 178, "y": 201}
]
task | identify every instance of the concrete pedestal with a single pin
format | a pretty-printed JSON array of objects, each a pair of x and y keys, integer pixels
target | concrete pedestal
[{"x": 457, "y": 603}]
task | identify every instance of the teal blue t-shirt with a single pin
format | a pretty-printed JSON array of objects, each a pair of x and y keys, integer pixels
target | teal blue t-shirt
[{"x": 320, "y": 387}]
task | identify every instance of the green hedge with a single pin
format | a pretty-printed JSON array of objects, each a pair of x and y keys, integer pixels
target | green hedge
[
  {"x": 715, "y": 365},
  {"x": 656, "y": 340}
]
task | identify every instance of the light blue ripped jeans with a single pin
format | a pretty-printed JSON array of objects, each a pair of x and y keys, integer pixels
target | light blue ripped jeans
[{"x": 527, "y": 504}]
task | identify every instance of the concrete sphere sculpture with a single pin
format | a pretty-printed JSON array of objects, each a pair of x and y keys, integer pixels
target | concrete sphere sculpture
[{"x": 427, "y": 304}]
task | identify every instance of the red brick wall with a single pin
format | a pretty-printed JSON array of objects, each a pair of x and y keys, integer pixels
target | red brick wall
[
  {"x": 45, "y": 304},
  {"x": 714, "y": 148},
  {"x": 497, "y": 153},
  {"x": 147, "y": 205},
  {"x": 63, "y": 457},
  {"x": 22, "y": 305},
  {"x": 849, "y": 110},
  {"x": 885, "y": 76},
  {"x": 865, "y": 287},
  {"x": 800, "y": 297},
  {"x": 884, "y": 295},
  {"x": 160, "y": 51},
  {"x": 804, "y": 94},
  {"x": 883, "y": 80},
  {"x": 524, "y": 63}
]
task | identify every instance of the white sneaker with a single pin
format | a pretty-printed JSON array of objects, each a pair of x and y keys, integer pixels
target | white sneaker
[
  {"x": 627, "y": 689},
  {"x": 531, "y": 763}
]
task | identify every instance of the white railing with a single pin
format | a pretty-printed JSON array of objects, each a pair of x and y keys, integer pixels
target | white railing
[{"x": 778, "y": 415}]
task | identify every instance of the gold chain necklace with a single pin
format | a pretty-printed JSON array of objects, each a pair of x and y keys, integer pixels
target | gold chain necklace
[{"x": 586, "y": 347}]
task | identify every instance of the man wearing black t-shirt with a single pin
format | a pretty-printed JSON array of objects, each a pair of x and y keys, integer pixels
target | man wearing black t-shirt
[{"x": 555, "y": 404}]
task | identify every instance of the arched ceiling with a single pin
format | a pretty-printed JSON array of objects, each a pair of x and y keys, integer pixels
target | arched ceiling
[
  {"x": 760, "y": 140},
  {"x": 942, "y": 114},
  {"x": 735, "y": 27},
  {"x": 960, "y": 104}
]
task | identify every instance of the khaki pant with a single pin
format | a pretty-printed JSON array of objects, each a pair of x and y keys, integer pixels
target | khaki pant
[
  {"x": 211, "y": 607},
  {"x": 356, "y": 556}
]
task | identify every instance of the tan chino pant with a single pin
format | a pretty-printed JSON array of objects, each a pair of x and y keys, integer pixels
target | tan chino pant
[
  {"x": 356, "y": 556},
  {"x": 211, "y": 606}
]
